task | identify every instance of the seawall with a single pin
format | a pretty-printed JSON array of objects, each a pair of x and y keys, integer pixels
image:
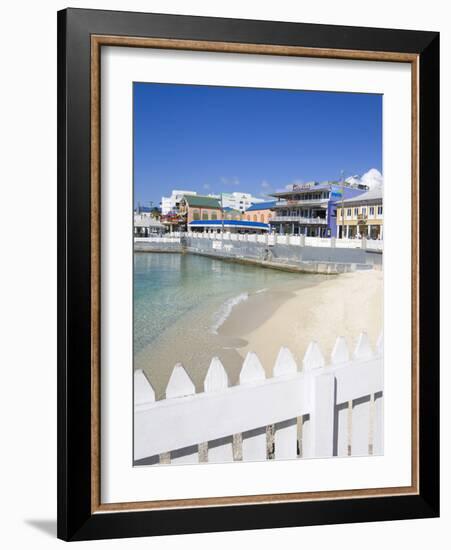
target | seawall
[
  {"x": 155, "y": 246},
  {"x": 286, "y": 257}
]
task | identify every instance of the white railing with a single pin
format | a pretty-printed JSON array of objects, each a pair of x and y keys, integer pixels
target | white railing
[
  {"x": 299, "y": 219},
  {"x": 300, "y": 202},
  {"x": 318, "y": 241},
  {"x": 158, "y": 239},
  {"x": 270, "y": 239},
  {"x": 322, "y": 410}
]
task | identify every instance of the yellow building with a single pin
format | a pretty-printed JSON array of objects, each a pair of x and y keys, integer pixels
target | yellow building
[{"x": 361, "y": 216}]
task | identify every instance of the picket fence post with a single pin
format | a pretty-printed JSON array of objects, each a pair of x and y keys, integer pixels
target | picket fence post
[
  {"x": 217, "y": 380},
  {"x": 342, "y": 443},
  {"x": 180, "y": 385},
  {"x": 361, "y": 408},
  {"x": 253, "y": 441},
  {"x": 143, "y": 392},
  {"x": 378, "y": 409},
  {"x": 285, "y": 436},
  {"x": 317, "y": 432}
]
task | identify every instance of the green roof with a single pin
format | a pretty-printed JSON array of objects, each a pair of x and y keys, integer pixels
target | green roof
[{"x": 202, "y": 202}]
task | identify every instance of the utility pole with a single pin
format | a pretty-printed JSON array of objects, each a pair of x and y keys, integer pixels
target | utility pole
[
  {"x": 342, "y": 206},
  {"x": 222, "y": 217}
]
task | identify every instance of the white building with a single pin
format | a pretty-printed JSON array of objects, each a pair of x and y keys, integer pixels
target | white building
[
  {"x": 168, "y": 203},
  {"x": 239, "y": 201},
  {"x": 145, "y": 225}
]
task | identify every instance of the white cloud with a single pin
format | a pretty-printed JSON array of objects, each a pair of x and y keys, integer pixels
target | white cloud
[
  {"x": 372, "y": 179},
  {"x": 206, "y": 186},
  {"x": 265, "y": 185}
]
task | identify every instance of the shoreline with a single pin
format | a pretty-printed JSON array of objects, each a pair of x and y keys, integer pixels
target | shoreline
[
  {"x": 261, "y": 317},
  {"x": 338, "y": 306},
  {"x": 195, "y": 352}
]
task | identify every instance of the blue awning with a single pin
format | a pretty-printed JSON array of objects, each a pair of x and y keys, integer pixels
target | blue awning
[{"x": 236, "y": 224}]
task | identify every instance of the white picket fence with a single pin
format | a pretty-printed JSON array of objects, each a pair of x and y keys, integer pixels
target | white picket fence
[{"x": 322, "y": 410}]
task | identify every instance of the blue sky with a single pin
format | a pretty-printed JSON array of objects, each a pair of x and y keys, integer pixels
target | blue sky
[{"x": 215, "y": 139}]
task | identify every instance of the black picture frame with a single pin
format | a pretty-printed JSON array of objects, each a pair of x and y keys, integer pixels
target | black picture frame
[{"x": 76, "y": 518}]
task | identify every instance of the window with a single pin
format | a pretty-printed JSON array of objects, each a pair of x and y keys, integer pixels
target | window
[
  {"x": 196, "y": 215},
  {"x": 356, "y": 211},
  {"x": 348, "y": 212},
  {"x": 214, "y": 216},
  {"x": 371, "y": 210},
  {"x": 364, "y": 211},
  {"x": 248, "y": 218},
  {"x": 379, "y": 210},
  {"x": 262, "y": 218},
  {"x": 255, "y": 217},
  {"x": 204, "y": 215}
]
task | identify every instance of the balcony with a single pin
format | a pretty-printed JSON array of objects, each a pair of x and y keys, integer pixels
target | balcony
[
  {"x": 299, "y": 219},
  {"x": 301, "y": 202}
]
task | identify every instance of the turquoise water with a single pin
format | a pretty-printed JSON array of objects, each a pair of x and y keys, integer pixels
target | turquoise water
[
  {"x": 189, "y": 309},
  {"x": 168, "y": 287}
]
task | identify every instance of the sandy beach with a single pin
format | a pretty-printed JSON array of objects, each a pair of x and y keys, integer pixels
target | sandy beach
[
  {"x": 239, "y": 309},
  {"x": 341, "y": 305}
]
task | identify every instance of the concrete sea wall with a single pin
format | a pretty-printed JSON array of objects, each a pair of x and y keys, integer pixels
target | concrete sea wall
[
  {"x": 293, "y": 258},
  {"x": 155, "y": 246},
  {"x": 277, "y": 256}
]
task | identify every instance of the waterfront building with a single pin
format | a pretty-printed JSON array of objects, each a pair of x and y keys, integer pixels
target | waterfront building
[
  {"x": 145, "y": 225},
  {"x": 261, "y": 212},
  {"x": 239, "y": 201},
  {"x": 169, "y": 204},
  {"x": 362, "y": 216},
  {"x": 310, "y": 209},
  {"x": 198, "y": 208},
  {"x": 229, "y": 226}
]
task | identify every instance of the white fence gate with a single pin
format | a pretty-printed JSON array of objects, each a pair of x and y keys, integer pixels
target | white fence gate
[{"x": 320, "y": 411}]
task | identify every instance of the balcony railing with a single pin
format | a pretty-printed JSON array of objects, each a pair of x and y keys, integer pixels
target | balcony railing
[
  {"x": 300, "y": 202},
  {"x": 299, "y": 219}
]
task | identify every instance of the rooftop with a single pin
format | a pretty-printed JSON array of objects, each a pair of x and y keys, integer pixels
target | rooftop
[
  {"x": 374, "y": 194},
  {"x": 202, "y": 202},
  {"x": 314, "y": 186},
  {"x": 230, "y": 209},
  {"x": 262, "y": 206}
]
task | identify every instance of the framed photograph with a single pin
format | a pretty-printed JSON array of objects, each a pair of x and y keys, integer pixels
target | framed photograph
[{"x": 248, "y": 274}]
